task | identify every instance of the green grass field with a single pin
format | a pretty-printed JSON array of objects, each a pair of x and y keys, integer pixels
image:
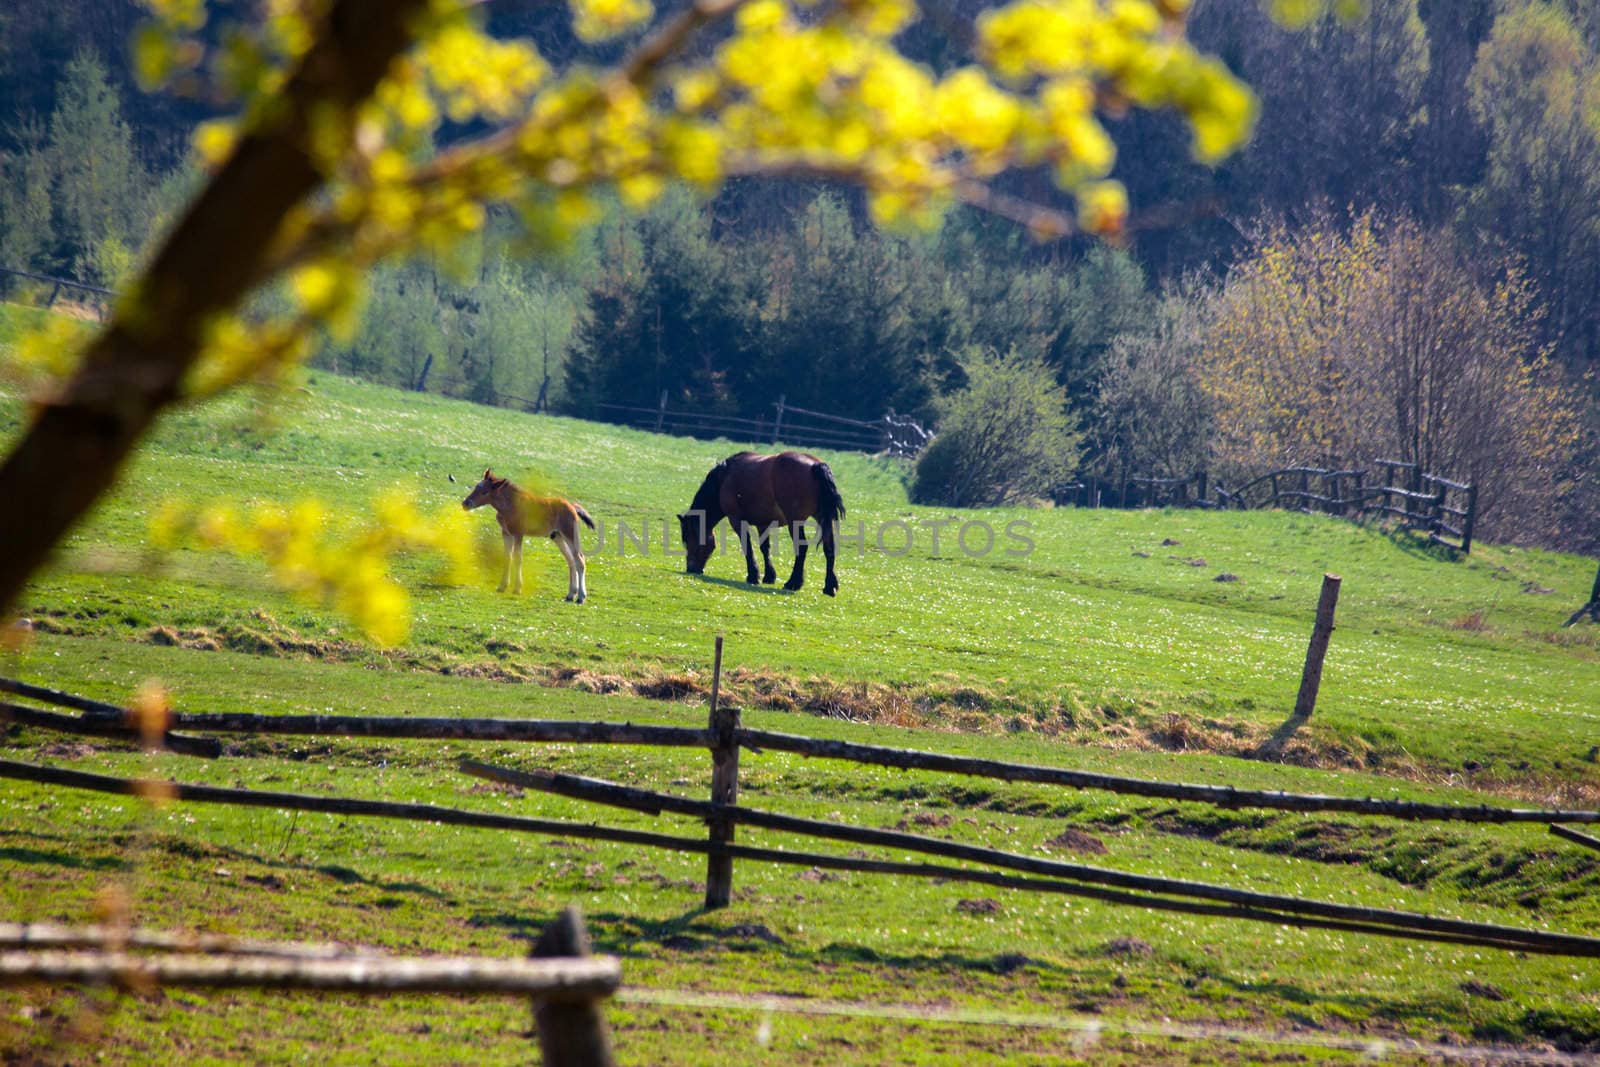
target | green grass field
[{"x": 1110, "y": 647}]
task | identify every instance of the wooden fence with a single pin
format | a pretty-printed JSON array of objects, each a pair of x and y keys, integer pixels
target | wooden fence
[
  {"x": 1443, "y": 509},
  {"x": 102, "y": 296},
  {"x": 725, "y": 738},
  {"x": 896, "y": 435},
  {"x": 565, "y": 983}
]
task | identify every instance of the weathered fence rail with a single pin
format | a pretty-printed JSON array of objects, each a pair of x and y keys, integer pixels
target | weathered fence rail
[
  {"x": 725, "y": 737},
  {"x": 894, "y": 434},
  {"x": 1443, "y": 509},
  {"x": 758, "y": 741},
  {"x": 1115, "y": 887},
  {"x": 58, "y": 284},
  {"x": 563, "y": 979}
]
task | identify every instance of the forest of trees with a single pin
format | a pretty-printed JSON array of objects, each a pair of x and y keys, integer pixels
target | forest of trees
[{"x": 1445, "y": 153}]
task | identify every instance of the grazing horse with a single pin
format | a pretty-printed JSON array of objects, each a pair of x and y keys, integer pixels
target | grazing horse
[
  {"x": 522, "y": 514},
  {"x": 756, "y": 494}
]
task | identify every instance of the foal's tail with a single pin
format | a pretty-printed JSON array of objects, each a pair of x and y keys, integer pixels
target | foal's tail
[
  {"x": 830, "y": 504},
  {"x": 584, "y": 515}
]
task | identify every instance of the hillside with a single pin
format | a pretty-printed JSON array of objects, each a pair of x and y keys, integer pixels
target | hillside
[{"x": 1113, "y": 628}]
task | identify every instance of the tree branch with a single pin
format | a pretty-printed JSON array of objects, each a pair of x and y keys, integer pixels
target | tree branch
[{"x": 80, "y": 439}]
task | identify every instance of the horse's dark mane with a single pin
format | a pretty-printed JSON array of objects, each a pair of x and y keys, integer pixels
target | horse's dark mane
[{"x": 706, "y": 497}]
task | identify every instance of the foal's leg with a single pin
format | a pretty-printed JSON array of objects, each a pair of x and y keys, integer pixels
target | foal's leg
[
  {"x": 509, "y": 541},
  {"x": 516, "y": 586},
  {"x": 567, "y": 552},
  {"x": 746, "y": 536},
  {"x": 583, "y": 570},
  {"x": 769, "y": 575},
  {"x": 802, "y": 543}
]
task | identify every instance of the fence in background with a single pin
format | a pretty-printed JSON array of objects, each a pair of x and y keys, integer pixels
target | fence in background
[
  {"x": 895, "y": 435},
  {"x": 100, "y": 297},
  {"x": 1444, "y": 510}
]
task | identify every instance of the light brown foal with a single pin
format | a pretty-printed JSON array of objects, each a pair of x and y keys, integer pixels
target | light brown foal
[{"x": 522, "y": 514}]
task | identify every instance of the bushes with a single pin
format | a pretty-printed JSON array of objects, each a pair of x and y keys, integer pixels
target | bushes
[{"x": 1005, "y": 438}]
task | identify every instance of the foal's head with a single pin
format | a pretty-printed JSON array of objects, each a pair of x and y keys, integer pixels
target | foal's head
[
  {"x": 484, "y": 492},
  {"x": 698, "y": 540}
]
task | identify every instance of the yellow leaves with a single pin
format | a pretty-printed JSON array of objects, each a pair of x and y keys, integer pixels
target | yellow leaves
[
  {"x": 1103, "y": 208},
  {"x": 478, "y": 75},
  {"x": 48, "y": 353},
  {"x": 978, "y": 117},
  {"x": 213, "y": 141},
  {"x": 695, "y": 89},
  {"x": 1222, "y": 112},
  {"x": 880, "y": 18},
  {"x": 601, "y": 20},
  {"x": 761, "y": 16},
  {"x": 182, "y": 16},
  {"x": 693, "y": 151},
  {"x": 234, "y": 350},
  {"x": 639, "y": 191},
  {"x": 330, "y": 557},
  {"x": 330, "y": 291}
]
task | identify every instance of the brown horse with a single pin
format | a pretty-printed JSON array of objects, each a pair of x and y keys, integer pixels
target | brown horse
[
  {"x": 757, "y": 494},
  {"x": 522, "y": 514}
]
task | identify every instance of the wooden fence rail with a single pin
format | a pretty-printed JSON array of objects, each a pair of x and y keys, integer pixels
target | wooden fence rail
[
  {"x": 1444, "y": 510},
  {"x": 894, "y": 434},
  {"x": 724, "y": 737},
  {"x": 561, "y": 977},
  {"x": 58, "y": 284},
  {"x": 1193, "y": 898},
  {"x": 556, "y": 979},
  {"x": 759, "y": 741}
]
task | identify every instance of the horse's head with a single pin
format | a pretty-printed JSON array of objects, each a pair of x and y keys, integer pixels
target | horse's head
[
  {"x": 483, "y": 493},
  {"x": 698, "y": 540}
]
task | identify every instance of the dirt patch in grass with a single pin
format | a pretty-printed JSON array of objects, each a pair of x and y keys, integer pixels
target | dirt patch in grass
[
  {"x": 944, "y": 702},
  {"x": 668, "y": 687},
  {"x": 1074, "y": 840}
]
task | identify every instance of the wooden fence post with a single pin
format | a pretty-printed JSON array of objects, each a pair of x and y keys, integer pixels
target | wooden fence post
[
  {"x": 661, "y": 411},
  {"x": 571, "y": 1033},
  {"x": 777, "y": 424},
  {"x": 1469, "y": 517},
  {"x": 1311, "y": 676},
  {"x": 1200, "y": 488},
  {"x": 724, "y": 789}
]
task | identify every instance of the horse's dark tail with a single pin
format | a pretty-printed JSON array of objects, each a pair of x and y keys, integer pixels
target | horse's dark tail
[
  {"x": 584, "y": 515},
  {"x": 830, "y": 505}
]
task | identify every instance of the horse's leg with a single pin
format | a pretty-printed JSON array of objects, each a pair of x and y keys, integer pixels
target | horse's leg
[
  {"x": 516, "y": 586},
  {"x": 769, "y": 575},
  {"x": 802, "y": 544},
  {"x": 830, "y": 585},
  {"x": 746, "y": 536},
  {"x": 505, "y": 576}
]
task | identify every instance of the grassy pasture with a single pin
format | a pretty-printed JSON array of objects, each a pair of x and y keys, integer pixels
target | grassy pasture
[{"x": 1103, "y": 649}]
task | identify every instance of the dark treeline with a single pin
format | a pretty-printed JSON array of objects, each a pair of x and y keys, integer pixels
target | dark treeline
[{"x": 1465, "y": 132}]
